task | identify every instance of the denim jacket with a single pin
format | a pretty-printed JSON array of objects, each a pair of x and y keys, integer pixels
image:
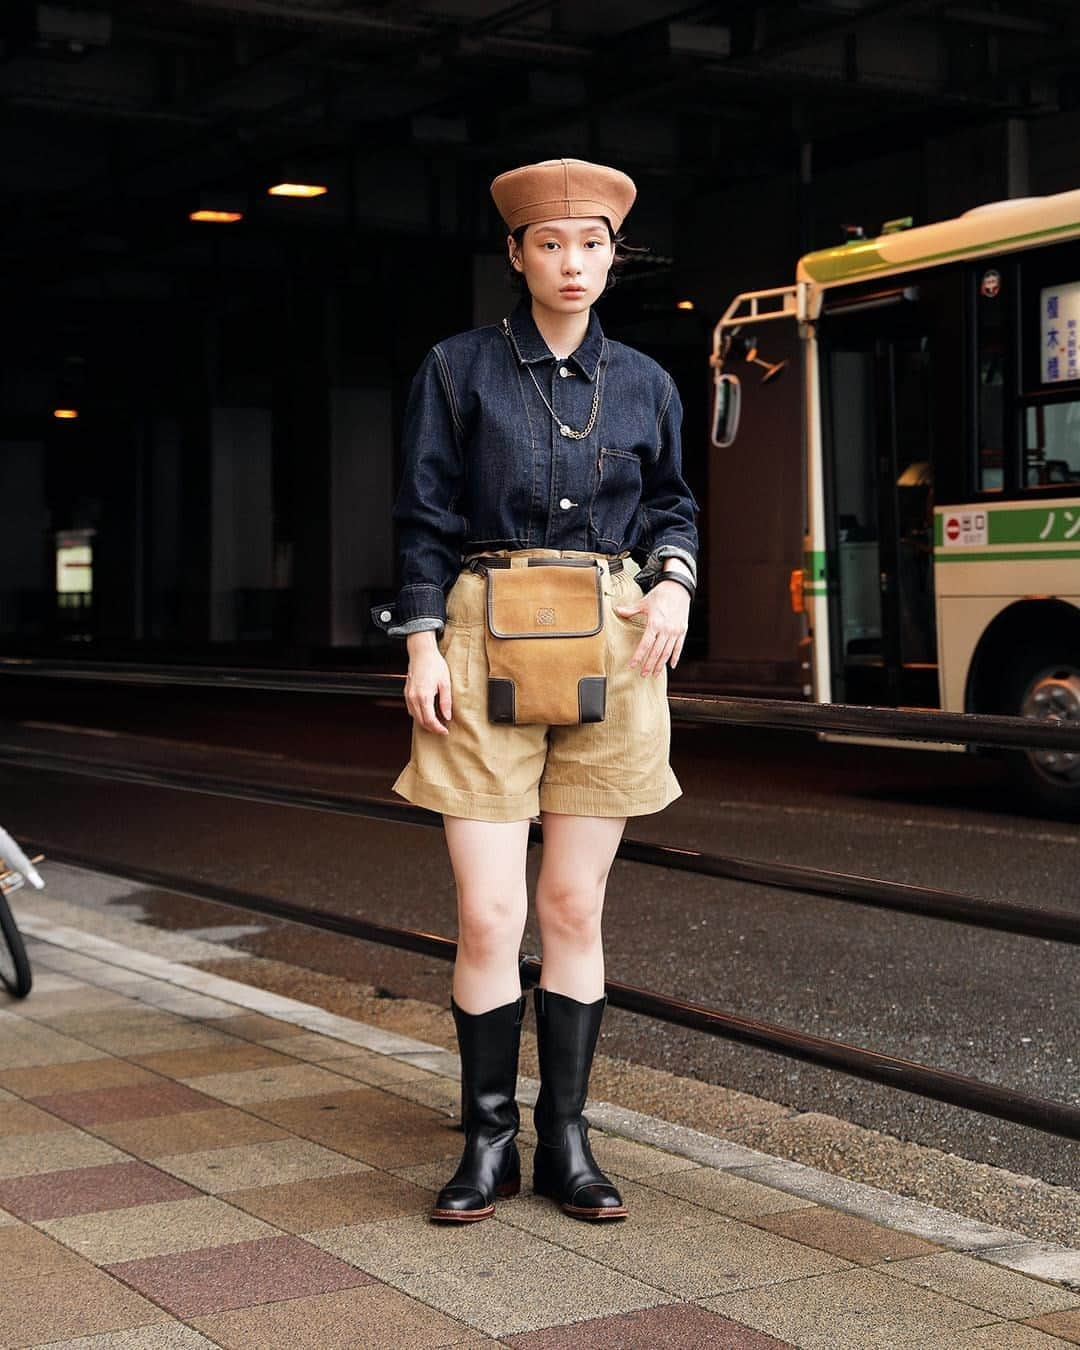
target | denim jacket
[{"x": 486, "y": 466}]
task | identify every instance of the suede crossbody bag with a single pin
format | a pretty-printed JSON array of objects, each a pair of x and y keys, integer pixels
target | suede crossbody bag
[{"x": 544, "y": 636}]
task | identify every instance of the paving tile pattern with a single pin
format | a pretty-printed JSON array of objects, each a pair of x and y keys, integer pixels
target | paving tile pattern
[
  {"x": 210, "y": 1279},
  {"x": 87, "y": 1190},
  {"x": 177, "y": 1172}
]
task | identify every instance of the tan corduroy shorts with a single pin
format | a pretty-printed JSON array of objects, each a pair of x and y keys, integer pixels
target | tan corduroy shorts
[{"x": 490, "y": 771}]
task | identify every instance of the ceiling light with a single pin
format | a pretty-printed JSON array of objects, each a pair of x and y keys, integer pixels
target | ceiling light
[
  {"x": 221, "y": 217},
  {"x": 296, "y": 190},
  {"x": 65, "y": 414}
]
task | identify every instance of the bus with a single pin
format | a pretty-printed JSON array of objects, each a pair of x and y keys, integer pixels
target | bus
[{"x": 939, "y": 403}]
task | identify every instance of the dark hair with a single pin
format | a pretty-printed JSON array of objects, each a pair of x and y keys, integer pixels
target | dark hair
[{"x": 623, "y": 251}]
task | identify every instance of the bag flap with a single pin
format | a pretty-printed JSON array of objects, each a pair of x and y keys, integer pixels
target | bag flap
[{"x": 544, "y": 602}]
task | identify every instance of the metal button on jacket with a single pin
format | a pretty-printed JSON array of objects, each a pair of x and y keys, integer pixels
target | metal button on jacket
[
  {"x": 563, "y": 370},
  {"x": 566, "y": 503}
]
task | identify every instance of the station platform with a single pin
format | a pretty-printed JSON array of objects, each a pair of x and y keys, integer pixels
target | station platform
[{"x": 187, "y": 1160}]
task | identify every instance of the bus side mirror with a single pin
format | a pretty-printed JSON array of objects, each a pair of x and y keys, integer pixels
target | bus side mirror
[{"x": 727, "y": 402}]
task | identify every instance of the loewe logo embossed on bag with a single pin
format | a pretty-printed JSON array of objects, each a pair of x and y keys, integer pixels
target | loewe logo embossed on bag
[{"x": 545, "y": 616}]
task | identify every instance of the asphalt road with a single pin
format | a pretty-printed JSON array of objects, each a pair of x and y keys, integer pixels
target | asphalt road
[{"x": 991, "y": 1005}]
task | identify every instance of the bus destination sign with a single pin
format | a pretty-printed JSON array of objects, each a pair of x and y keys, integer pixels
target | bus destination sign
[{"x": 1060, "y": 308}]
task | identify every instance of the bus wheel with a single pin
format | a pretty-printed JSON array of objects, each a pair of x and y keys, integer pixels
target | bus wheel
[{"x": 1049, "y": 690}]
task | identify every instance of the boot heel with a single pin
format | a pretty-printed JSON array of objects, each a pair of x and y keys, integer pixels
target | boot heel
[{"x": 505, "y": 1189}]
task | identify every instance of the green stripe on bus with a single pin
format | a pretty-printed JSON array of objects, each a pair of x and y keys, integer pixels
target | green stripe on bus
[
  {"x": 950, "y": 555},
  {"x": 1043, "y": 524},
  {"x": 815, "y": 565},
  {"x": 1055, "y": 522}
]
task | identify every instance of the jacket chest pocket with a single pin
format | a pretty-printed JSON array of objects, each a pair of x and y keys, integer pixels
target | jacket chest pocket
[{"x": 616, "y": 494}]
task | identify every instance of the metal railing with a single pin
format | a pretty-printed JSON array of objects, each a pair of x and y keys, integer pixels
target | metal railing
[
  {"x": 779, "y": 714},
  {"x": 1059, "y": 1118}
]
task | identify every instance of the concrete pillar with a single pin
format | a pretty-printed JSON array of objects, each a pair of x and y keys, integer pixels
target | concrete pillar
[
  {"x": 241, "y": 523},
  {"x": 1017, "y": 158},
  {"x": 26, "y": 583},
  {"x": 493, "y": 296},
  {"x": 360, "y": 501},
  {"x": 163, "y": 542}
]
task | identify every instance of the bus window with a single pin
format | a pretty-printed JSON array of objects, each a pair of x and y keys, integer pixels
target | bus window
[
  {"x": 1050, "y": 402},
  {"x": 1052, "y": 444},
  {"x": 991, "y": 411},
  {"x": 853, "y": 439}
]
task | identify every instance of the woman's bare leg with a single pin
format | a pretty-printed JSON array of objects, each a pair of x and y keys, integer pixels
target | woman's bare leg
[
  {"x": 578, "y": 853},
  {"x": 488, "y": 859}
]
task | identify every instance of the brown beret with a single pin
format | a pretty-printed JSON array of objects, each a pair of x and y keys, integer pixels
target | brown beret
[{"x": 556, "y": 188}]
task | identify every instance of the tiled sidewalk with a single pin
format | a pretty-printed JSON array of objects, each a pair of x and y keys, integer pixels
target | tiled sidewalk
[{"x": 187, "y": 1161}]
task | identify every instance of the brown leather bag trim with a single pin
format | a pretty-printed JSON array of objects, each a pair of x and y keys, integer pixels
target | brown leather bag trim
[
  {"x": 592, "y": 696},
  {"x": 555, "y": 633},
  {"x": 500, "y": 699}
]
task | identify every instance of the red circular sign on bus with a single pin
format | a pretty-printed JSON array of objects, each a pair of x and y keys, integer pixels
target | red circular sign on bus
[{"x": 952, "y": 528}]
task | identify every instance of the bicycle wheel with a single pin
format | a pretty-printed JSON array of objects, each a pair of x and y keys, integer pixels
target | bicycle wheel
[{"x": 14, "y": 963}]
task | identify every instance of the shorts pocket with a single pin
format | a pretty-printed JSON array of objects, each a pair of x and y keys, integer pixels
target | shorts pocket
[
  {"x": 629, "y": 593},
  {"x": 465, "y": 601},
  {"x": 454, "y": 647}
]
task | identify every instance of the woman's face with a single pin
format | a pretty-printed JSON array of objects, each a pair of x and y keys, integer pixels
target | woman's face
[{"x": 557, "y": 255}]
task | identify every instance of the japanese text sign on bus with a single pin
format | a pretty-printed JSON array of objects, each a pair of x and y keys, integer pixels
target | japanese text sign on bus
[{"x": 1060, "y": 310}]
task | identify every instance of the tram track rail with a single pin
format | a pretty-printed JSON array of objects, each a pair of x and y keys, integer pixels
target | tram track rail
[
  {"x": 1055, "y": 1117},
  {"x": 1053, "y": 924},
  {"x": 992, "y": 1099}
]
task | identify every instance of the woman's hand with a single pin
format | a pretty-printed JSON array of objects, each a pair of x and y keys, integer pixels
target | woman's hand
[
  {"x": 428, "y": 679},
  {"x": 667, "y": 609}
]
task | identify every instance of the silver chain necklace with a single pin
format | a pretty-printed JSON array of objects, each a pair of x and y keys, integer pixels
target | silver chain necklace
[{"x": 564, "y": 429}]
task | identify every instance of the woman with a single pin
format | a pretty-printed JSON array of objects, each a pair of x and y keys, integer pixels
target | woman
[{"x": 539, "y": 437}]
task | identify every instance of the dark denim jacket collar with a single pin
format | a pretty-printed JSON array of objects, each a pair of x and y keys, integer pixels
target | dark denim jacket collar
[{"x": 529, "y": 345}]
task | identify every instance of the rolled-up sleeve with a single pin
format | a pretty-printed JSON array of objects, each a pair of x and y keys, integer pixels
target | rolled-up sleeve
[
  {"x": 668, "y": 504},
  {"x": 430, "y": 529}
]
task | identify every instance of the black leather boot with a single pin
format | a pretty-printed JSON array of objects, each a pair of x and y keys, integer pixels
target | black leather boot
[
  {"x": 564, "y": 1167},
  {"x": 490, "y": 1164}
]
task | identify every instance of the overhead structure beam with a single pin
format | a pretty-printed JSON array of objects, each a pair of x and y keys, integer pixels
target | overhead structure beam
[
  {"x": 285, "y": 15},
  {"x": 252, "y": 80},
  {"x": 849, "y": 22}
]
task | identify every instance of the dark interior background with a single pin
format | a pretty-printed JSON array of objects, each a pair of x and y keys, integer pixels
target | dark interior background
[{"x": 240, "y": 386}]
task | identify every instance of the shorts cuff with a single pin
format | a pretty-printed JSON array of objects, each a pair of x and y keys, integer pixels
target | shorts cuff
[
  {"x": 461, "y": 802},
  {"x": 588, "y": 801}
]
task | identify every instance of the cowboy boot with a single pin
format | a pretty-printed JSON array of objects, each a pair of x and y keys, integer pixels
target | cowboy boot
[
  {"x": 490, "y": 1164},
  {"x": 564, "y": 1168}
]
